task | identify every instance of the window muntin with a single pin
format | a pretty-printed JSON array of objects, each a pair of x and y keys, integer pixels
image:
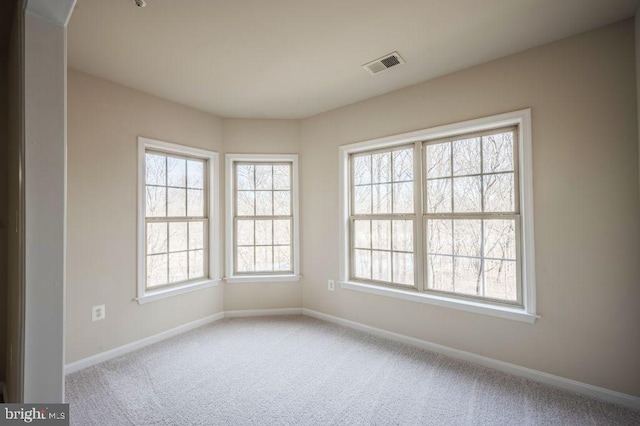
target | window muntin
[
  {"x": 175, "y": 218},
  {"x": 263, "y": 218},
  {"x": 382, "y": 219},
  {"x": 472, "y": 220}
]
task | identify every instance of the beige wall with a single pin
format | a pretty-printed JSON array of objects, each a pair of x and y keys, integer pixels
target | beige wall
[
  {"x": 585, "y": 158},
  {"x": 104, "y": 120},
  {"x": 261, "y": 137}
]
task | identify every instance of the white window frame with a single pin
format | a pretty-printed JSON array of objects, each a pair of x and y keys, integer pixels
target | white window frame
[
  {"x": 230, "y": 160},
  {"x": 521, "y": 119},
  {"x": 145, "y": 295}
]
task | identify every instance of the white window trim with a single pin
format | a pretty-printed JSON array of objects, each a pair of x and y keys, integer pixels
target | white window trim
[
  {"x": 144, "y": 295},
  {"x": 230, "y": 159},
  {"x": 522, "y": 119}
]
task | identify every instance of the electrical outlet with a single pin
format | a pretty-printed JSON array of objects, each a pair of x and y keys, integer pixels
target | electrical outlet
[
  {"x": 98, "y": 313},
  {"x": 331, "y": 285}
]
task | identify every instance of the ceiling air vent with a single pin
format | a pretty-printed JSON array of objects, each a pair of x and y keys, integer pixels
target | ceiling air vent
[{"x": 384, "y": 63}]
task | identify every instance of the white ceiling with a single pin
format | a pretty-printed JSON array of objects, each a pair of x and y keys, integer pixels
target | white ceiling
[{"x": 296, "y": 58}]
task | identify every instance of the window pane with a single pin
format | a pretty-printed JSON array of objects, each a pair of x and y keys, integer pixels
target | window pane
[
  {"x": 195, "y": 174},
  {"x": 177, "y": 202},
  {"x": 245, "y": 177},
  {"x": 244, "y": 232},
  {"x": 381, "y": 234},
  {"x": 466, "y": 157},
  {"x": 362, "y": 202},
  {"x": 155, "y": 169},
  {"x": 245, "y": 261},
  {"x": 381, "y": 262},
  {"x": 157, "y": 273},
  {"x": 403, "y": 197},
  {"x": 246, "y": 203},
  {"x": 176, "y": 172},
  {"x": 500, "y": 239},
  {"x": 362, "y": 234},
  {"x": 156, "y": 238},
  {"x": 264, "y": 232},
  {"x": 497, "y": 152},
  {"x": 468, "y": 276},
  {"x": 467, "y": 197},
  {"x": 282, "y": 258},
  {"x": 282, "y": 177},
  {"x": 381, "y": 163},
  {"x": 195, "y": 203},
  {"x": 362, "y": 264},
  {"x": 500, "y": 279},
  {"x": 362, "y": 169},
  {"x": 264, "y": 258},
  {"x": 196, "y": 264},
  {"x": 403, "y": 165},
  {"x": 196, "y": 235},
  {"x": 439, "y": 196},
  {"x": 177, "y": 236},
  {"x": 467, "y": 237},
  {"x": 264, "y": 203},
  {"x": 281, "y": 232},
  {"x": 438, "y": 160},
  {"x": 382, "y": 198},
  {"x": 264, "y": 177},
  {"x": 403, "y": 268},
  {"x": 439, "y": 236},
  {"x": 402, "y": 235},
  {"x": 282, "y": 203},
  {"x": 156, "y": 202},
  {"x": 498, "y": 193},
  {"x": 440, "y": 272},
  {"x": 178, "y": 267}
]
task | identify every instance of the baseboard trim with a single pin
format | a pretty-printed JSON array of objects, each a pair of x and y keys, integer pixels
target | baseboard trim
[
  {"x": 138, "y": 344},
  {"x": 592, "y": 391},
  {"x": 262, "y": 312}
]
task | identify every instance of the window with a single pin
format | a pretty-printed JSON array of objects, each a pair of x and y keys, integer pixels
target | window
[
  {"x": 472, "y": 214},
  {"x": 177, "y": 226},
  {"x": 383, "y": 219},
  {"x": 443, "y": 216},
  {"x": 262, "y": 223}
]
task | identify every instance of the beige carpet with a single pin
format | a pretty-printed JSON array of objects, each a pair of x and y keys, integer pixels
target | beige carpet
[{"x": 295, "y": 370}]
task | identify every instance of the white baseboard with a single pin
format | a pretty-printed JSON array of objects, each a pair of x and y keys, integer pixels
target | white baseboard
[
  {"x": 262, "y": 312},
  {"x": 129, "y": 347},
  {"x": 592, "y": 391},
  {"x": 596, "y": 392}
]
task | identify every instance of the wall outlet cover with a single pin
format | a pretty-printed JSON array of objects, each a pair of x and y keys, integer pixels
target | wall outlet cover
[{"x": 98, "y": 313}]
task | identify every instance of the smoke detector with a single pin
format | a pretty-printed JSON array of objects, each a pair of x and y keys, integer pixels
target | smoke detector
[
  {"x": 139, "y": 3},
  {"x": 383, "y": 63}
]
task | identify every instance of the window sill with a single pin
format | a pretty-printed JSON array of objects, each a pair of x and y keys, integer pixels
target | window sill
[
  {"x": 262, "y": 279},
  {"x": 152, "y": 295},
  {"x": 517, "y": 314}
]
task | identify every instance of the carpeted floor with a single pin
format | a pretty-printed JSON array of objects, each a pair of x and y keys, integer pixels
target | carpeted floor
[{"x": 295, "y": 370}]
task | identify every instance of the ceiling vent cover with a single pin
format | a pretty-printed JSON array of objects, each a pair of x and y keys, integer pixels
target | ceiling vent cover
[{"x": 384, "y": 63}]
